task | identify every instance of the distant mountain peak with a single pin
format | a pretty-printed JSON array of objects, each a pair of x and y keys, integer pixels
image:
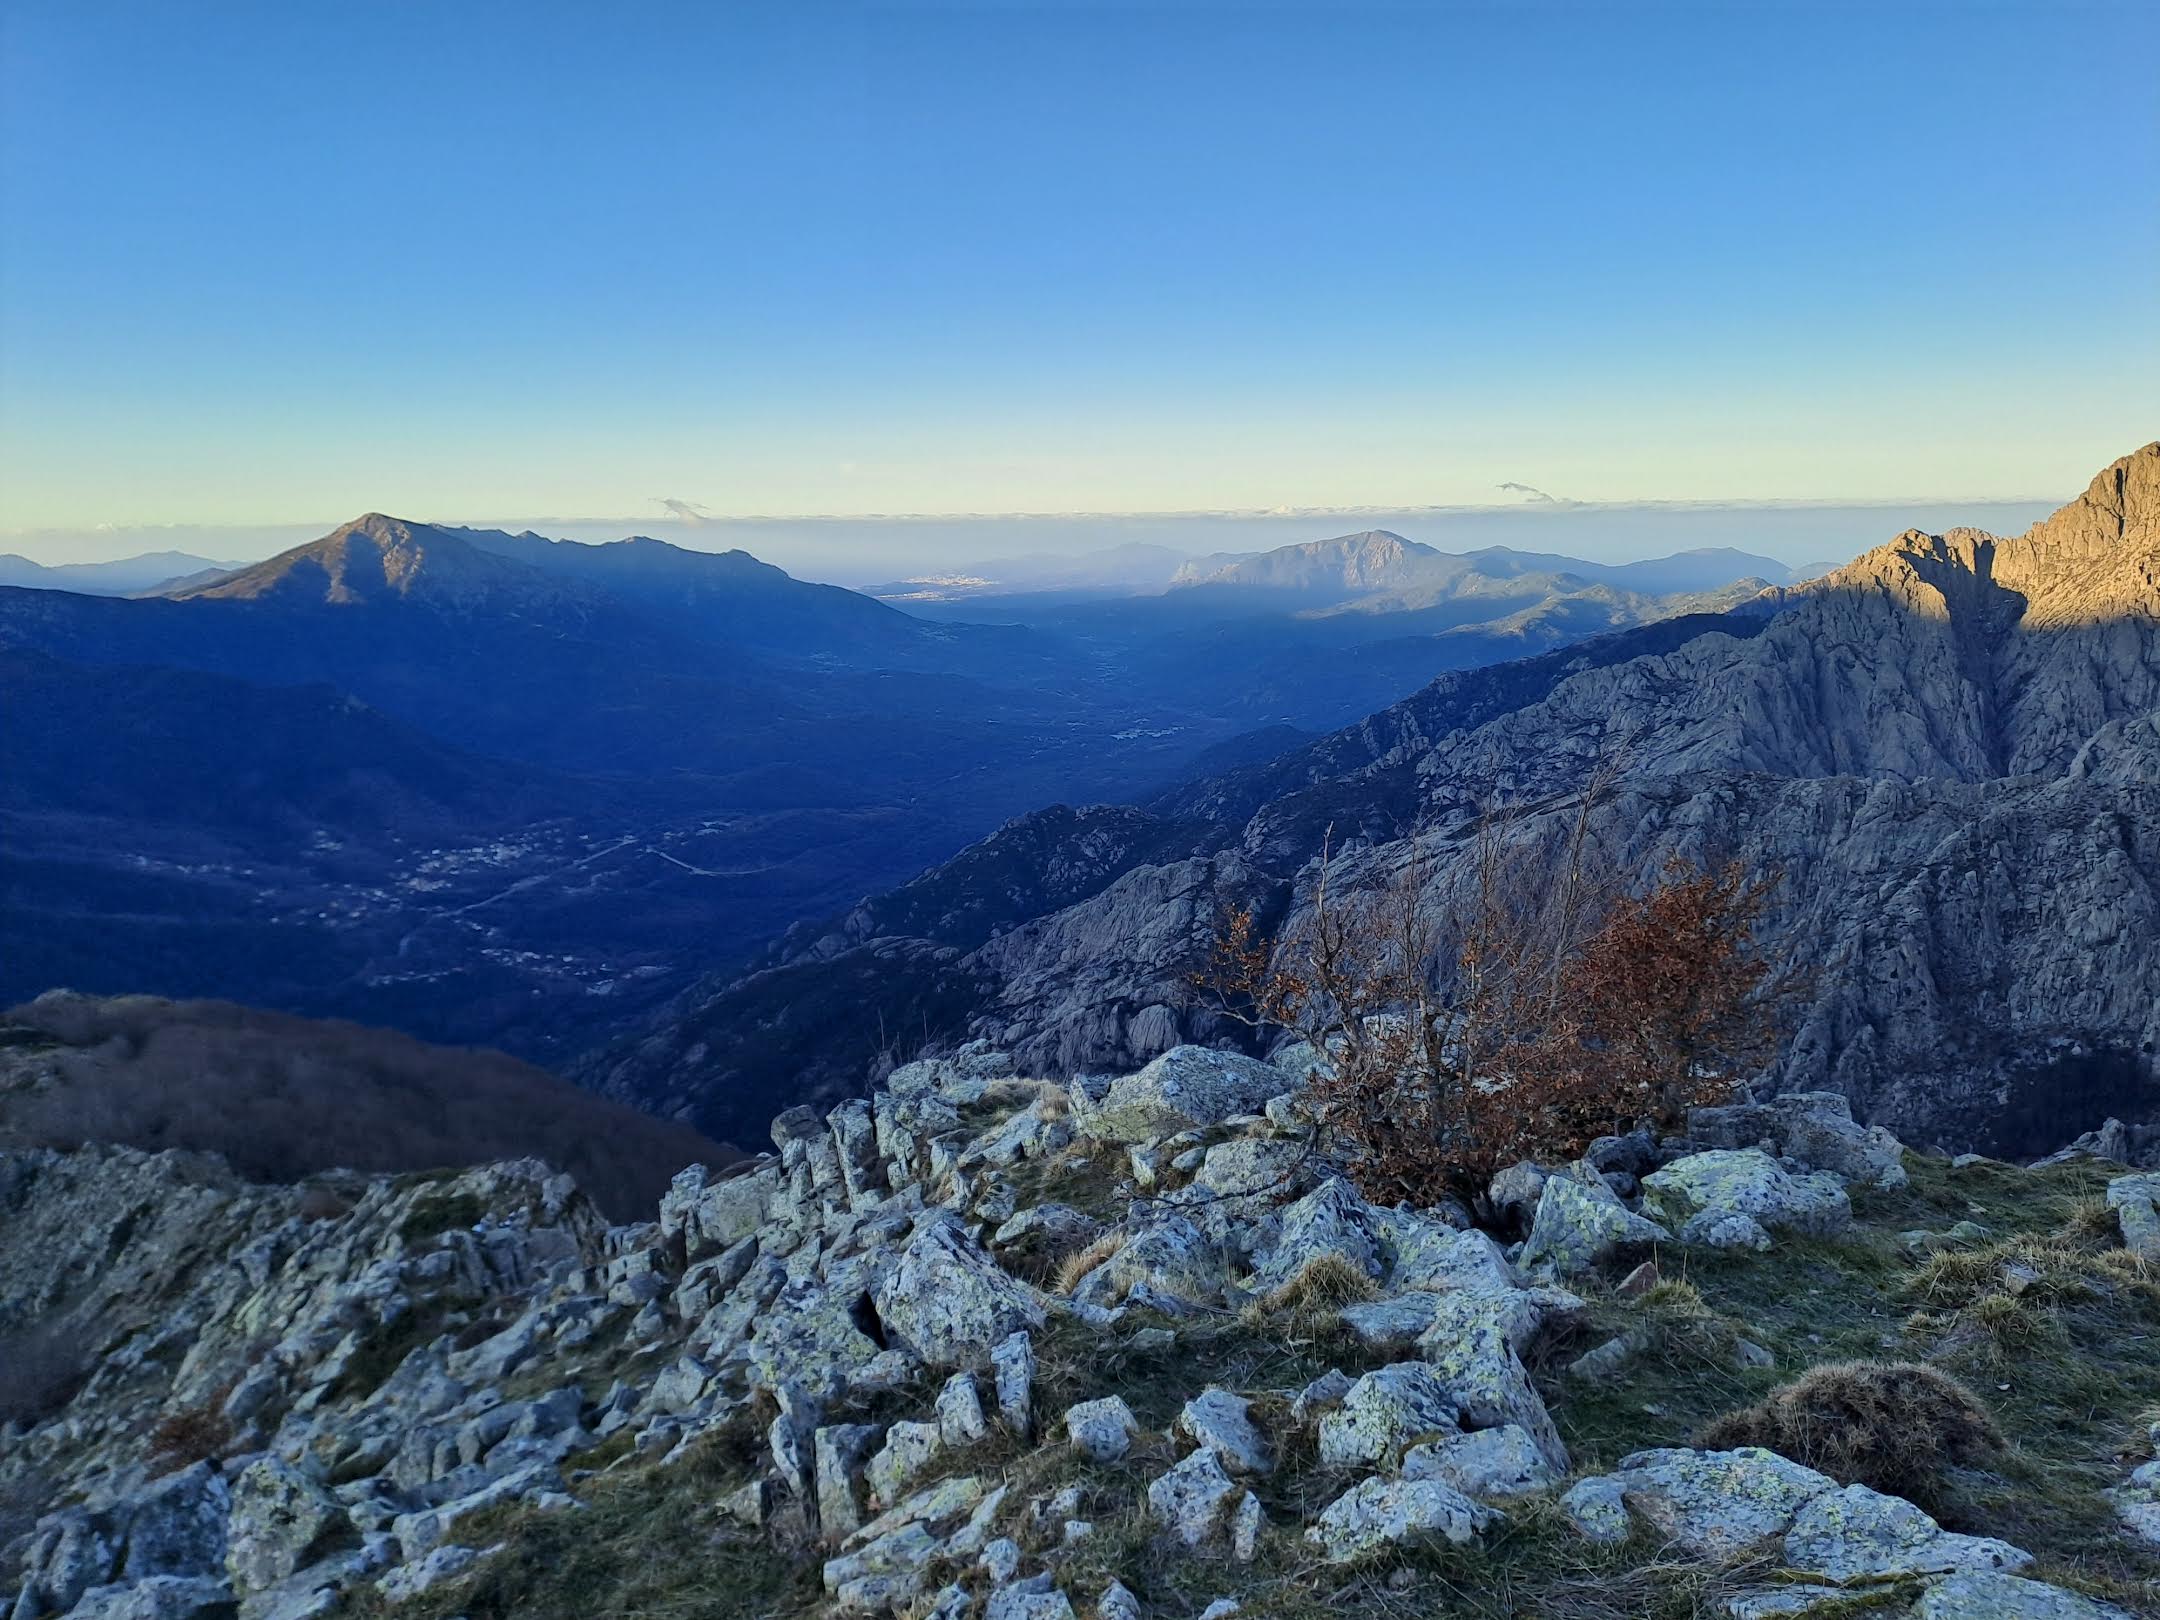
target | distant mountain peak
[
  {"x": 378, "y": 558},
  {"x": 1364, "y": 561}
]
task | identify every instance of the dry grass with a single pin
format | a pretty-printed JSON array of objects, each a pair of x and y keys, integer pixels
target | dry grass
[
  {"x": 1073, "y": 1270},
  {"x": 1310, "y": 1304},
  {"x": 1895, "y": 1426}
]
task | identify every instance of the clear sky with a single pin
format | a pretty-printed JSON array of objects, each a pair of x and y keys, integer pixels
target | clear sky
[{"x": 285, "y": 262}]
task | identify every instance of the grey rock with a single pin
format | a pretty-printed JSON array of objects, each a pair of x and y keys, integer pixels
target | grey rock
[
  {"x": 1718, "y": 1505},
  {"x": 1580, "y": 1223},
  {"x": 949, "y": 1303},
  {"x": 1012, "y": 1364},
  {"x": 282, "y": 1520},
  {"x": 2136, "y": 1202},
  {"x": 1747, "y": 1181},
  {"x": 1103, "y": 1430},
  {"x": 1384, "y": 1413},
  {"x": 840, "y": 1452},
  {"x": 1987, "y": 1596},
  {"x": 1380, "y": 1513},
  {"x": 1222, "y": 1422},
  {"x": 1195, "y": 1499},
  {"x": 1490, "y": 1465},
  {"x": 1856, "y": 1534},
  {"x": 160, "y": 1597},
  {"x": 1188, "y": 1087}
]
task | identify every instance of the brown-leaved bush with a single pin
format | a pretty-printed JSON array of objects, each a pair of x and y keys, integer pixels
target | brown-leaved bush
[{"x": 1533, "y": 1014}]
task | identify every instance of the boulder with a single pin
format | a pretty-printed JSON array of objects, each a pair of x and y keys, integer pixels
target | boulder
[
  {"x": 1102, "y": 1430},
  {"x": 1747, "y": 1181},
  {"x": 1384, "y": 1413},
  {"x": 949, "y": 1303},
  {"x": 839, "y": 1452},
  {"x": 1222, "y": 1422},
  {"x": 177, "y": 1525},
  {"x": 1195, "y": 1499},
  {"x": 1012, "y": 1365},
  {"x": 1581, "y": 1222},
  {"x": 1380, "y": 1513},
  {"x": 1168, "y": 1262},
  {"x": 1981, "y": 1595},
  {"x": 1187, "y": 1088},
  {"x": 2136, "y": 1202},
  {"x": 161, "y": 1597},
  {"x": 1476, "y": 1344},
  {"x": 1719, "y": 1505},
  {"x": 1857, "y": 1534},
  {"x": 1813, "y": 1127},
  {"x": 908, "y": 1450},
  {"x": 1489, "y": 1464},
  {"x": 281, "y": 1522}
]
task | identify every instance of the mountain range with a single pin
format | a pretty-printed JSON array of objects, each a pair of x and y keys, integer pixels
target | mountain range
[
  {"x": 1949, "y": 749},
  {"x": 127, "y": 576},
  {"x": 495, "y": 787}
]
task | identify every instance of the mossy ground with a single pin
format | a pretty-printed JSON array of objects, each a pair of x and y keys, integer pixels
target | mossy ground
[{"x": 2068, "y": 1364}]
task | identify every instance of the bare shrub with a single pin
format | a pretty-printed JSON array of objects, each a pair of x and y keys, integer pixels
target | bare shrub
[
  {"x": 1523, "y": 1017},
  {"x": 1895, "y": 1426},
  {"x": 190, "y": 1435}
]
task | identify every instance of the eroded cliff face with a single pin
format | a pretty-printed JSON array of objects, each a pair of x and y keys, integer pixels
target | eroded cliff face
[{"x": 1950, "y": 747}]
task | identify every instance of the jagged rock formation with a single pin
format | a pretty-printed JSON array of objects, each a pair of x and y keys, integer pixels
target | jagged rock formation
[
  {"x": 854, "y": 1350},
  {"x": 1950, "y": 748}
]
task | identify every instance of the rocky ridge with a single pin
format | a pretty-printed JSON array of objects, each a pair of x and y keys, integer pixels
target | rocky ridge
[
  {"x": 985, "y": 1345},
  {"x": 1950, "y": 748}
]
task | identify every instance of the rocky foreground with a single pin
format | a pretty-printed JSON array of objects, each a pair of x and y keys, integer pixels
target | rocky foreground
[{"x": 995, "y": 1347}]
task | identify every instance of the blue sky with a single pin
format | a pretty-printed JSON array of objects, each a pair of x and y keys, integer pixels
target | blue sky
[{"x": 282, "y": 263}]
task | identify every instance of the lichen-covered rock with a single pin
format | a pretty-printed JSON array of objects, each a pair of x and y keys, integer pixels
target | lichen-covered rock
[
  {"x": 1747, "y": 1181},
  {"x": 1103, "y": 1430},
  {"x": 1187, "y": 1088},
  {"x": 1222, "y": 1422},
  {"x": 960, "y": 1411},
  {"x": 907, "y": 1451},
  {"x": 1987, "y": 1596},
  {"x": 1814, "y": 1127},
  {"x": 1379, "y": 1513},
  {"x": 1476, "y": 1344},
  {"x": 2136, "y": 1202},
  {"x": 839, "y": 1453},
  {"x": 177, "y": 1525},
  {"x": 1012, "y": 1364},
  {"x": 1195, "y": 1499},
  {"x": 1168, "y": 1259},
  {"x": 949, "y": 1303},
  {"x": 1859, "y": 1534},
  {"x": 1720, "y": 1505},
  {"x": 1393, "y": 1324},
  {"x": 1580, "y": 1222},
  {"x": 281, "y": 1521},
  {"x": 1384, "y": 1413},
  {"x": 1725, "y": 1229},
  {"x": 1491, "y": 1465},
  {"x": 1596, "y": 1509}
]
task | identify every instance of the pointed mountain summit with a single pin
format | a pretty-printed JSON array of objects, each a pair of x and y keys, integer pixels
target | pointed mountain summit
[{"x": 377, "y": 559}]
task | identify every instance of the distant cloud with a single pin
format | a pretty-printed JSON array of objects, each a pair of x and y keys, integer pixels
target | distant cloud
[
  {"x": 685, "y": 511},
  {"x": 1529, "y": 493}
]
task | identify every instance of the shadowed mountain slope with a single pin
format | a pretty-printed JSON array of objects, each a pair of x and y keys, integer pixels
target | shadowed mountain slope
[{"x": 1950, "y": 747}]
